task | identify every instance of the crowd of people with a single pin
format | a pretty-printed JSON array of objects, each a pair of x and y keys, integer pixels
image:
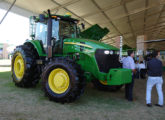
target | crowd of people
[{"x": 151, "y": 66}]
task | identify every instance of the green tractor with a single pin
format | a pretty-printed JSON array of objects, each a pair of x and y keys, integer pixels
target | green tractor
[{"x": 66, "y": 59}]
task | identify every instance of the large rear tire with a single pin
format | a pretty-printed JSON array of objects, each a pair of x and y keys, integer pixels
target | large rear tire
[
  {"x": 63, "y": 80},
  {"x": 101, "y": 85},
  {"x": 24, "y": 68}
]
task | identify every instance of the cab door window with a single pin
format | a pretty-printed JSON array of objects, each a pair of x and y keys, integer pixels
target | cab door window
[
  {"x": 55, "y": 30},
  {"x": 41, "y": 33}
]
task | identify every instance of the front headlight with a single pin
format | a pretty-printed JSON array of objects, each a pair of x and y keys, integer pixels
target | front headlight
[
  {"x": 106, "y": 52},
  {"x": 111, "y": 52}
]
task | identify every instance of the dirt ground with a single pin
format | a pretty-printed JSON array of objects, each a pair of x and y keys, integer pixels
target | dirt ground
[{"x": 30, "y": 104}]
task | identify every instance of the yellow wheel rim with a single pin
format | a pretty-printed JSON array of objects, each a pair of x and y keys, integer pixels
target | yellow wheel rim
[
  {"x": 19, "y": 66},
  {"x": 58, "y": 80},
  {"x": 103, "y": 82}
]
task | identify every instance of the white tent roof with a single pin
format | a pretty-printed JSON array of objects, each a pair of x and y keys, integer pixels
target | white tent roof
[{"x": 128, "y": 18}]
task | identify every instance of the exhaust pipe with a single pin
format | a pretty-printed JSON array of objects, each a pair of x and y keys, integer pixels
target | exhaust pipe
[{"x": 49, "y": 36}]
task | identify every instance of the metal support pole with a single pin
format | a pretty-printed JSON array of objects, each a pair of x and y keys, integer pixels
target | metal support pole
[
  {"x": 121, "y": 49},
  {"x": 8, "y": 11}
]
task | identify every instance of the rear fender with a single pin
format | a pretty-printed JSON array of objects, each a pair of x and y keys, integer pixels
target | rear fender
[{"x": 37, "y": 45}]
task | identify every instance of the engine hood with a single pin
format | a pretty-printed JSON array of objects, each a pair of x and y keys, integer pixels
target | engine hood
[{"x": 89, "y": 43}]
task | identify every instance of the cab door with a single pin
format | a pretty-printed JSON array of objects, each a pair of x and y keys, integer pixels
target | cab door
[{"x": 56, "y": 40}]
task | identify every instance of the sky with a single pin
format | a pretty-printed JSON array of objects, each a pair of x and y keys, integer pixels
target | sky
[{"x": 14, "y": 29}]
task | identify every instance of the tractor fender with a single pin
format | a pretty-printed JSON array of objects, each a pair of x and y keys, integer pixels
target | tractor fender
[{"x": 37, "y": 45}]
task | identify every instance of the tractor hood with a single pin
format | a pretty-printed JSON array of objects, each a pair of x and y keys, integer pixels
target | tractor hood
[
  {"x": 94, "y": 32},
  {"x": 89, "y": 43}
]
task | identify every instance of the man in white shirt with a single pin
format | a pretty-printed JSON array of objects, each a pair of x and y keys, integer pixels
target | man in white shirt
[
  {"x": 142, "y": 70},
  {"x": 129, "y": 64},
  {"x": 136, "y": 65},
  {"x": 141, "y": 65}
]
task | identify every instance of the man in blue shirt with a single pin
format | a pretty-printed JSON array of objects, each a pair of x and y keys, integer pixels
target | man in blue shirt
[
  {"x": 155, "y": 71},
  {"x": 129, "y": 63}
]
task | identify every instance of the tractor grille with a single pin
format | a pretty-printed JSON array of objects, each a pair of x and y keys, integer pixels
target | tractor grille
[{"x": 106, "y": 61}]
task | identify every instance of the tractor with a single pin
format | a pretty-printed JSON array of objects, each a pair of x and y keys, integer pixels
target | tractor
[{"x": 65, "y": 58}]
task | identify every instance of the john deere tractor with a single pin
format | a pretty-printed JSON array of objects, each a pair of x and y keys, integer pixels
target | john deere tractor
[{"x": 66, "y": 59}]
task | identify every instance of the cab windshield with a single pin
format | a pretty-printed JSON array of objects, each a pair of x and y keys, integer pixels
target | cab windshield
[{"x": 68, "y": 29}]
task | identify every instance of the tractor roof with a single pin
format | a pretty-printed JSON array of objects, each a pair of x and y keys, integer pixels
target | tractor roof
[
  {"x": 53, "y": 16},
  {"x": 65, "y": 18}
]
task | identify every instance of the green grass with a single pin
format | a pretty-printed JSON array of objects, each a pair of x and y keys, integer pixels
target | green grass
[
  {"x": 31, "y": 104},
  {"x": 5, "y": 75}
]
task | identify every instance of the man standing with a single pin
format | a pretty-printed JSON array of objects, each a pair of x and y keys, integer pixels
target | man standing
[
  {"x": 129, "y": 64},
  {"x": 155, "y": 71}
]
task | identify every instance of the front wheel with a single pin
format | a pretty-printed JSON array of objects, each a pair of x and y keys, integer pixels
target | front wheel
[{"x": 62, "y": 81}]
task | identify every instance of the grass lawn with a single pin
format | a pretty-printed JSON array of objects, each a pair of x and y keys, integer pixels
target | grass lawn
[{"x": 31, "y": 104}]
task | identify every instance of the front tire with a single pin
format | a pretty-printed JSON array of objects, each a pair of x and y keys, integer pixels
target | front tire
[{"x": 62, "y": 80}]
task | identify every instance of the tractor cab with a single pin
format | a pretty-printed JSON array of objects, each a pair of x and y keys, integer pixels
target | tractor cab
[
  {"x": 52, "y": 30},
  {"x": 60, "y": 27}
]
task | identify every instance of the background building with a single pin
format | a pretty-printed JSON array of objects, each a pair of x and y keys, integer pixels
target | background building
[{"x": 4, "y": 52}]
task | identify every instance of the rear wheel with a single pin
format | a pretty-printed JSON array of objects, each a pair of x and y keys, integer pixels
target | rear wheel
[
  {"x": 62, "y": 80},
  {"x": 102, "y": 85},
  {"x": 24, "y": 67}
]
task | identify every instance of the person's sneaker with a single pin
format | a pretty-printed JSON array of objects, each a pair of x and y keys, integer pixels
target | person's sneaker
[
  {"x": 149, "y": 105},
  {"x": 158, "y": 105}
]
